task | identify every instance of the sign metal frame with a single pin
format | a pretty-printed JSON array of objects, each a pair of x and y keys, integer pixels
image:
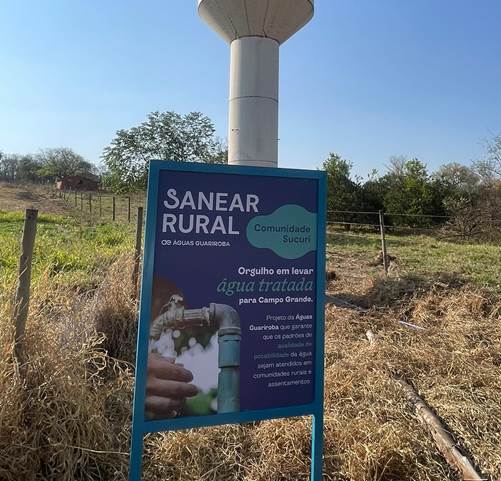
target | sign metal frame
[{"x": 141, "y": 426}]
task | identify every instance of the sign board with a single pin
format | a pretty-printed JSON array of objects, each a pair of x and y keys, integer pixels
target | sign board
[{"x": 231, "y": 322}]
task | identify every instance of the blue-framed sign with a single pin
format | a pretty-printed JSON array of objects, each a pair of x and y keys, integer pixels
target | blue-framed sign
[{"x": 231, "y": 325}]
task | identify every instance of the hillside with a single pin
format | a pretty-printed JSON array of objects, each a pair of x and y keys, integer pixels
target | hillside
[{"x": 18, "y": 197}]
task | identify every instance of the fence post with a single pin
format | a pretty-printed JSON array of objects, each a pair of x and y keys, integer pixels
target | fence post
[
  {"x": 128, "y": 209},
  {"x": 383, "y": 242},
  {"x": 22, "y": 300},
  {"x": 113, "y": 209},
  {"x": 90, "y": 203},
  {"x": 137, "y": 250}
]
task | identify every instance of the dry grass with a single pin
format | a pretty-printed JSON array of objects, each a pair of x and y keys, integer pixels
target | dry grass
[
  {"x": 65, "y": 412},
  {"x": 67, "y": 416},
  {"x": 454, "y": 365},
  {"x": 18, "y": 197}
]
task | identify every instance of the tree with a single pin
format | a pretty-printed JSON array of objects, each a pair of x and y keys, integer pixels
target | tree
[
  {"x": 489, "y": 168},
  {"x": 164, "y": 136},
  {"x": 342, "y": 192},
  {"x": 397, "y": 165},
  {"x": 28, "y": 168},
  {"x": 61, "y": 162},
  {"x": 49, "y": 164},
  {"x": 18, "y": 168},
  {"x": 409, "y": 189},
  {"x": 457, "y": 179},
  {"x": 457, "y": 186},
  {"x": 371, "y": 196},
  {"x": 8, "y": 167}
]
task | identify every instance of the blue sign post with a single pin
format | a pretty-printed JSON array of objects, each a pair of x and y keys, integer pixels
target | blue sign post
[{"x": 231, "y": 326}]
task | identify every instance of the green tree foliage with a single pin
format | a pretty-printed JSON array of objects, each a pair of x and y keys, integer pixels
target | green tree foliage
[
  {"x": 49, "y": 165},
  {"x": 371, "y": 195},
  {"x": 342, "y": 191},
  {"x": 459, "y": 189},
  {"x": 61, "y": 162},
  {"x": 165, "y": 136},
  {"x": 8, "y": 167},
  {"x": 19, "y": 168},
  {"x": 409, "y": 189},
  {"x": 457, "y": 180},
  {"x": 28, "y": 168},
  {"x": 461, "y": 197}
]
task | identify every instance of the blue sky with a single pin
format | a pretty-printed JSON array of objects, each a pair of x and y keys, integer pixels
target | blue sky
[{"x": 366, "y": 78}]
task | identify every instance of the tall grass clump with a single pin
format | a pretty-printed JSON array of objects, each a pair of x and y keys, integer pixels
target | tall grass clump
[{"x": 65, "y": 411}]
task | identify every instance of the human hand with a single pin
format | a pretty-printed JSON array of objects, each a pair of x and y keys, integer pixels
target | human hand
[{"x": 167, "y": 387}]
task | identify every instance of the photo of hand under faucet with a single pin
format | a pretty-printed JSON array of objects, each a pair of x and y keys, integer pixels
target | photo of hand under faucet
[{"x": 194, "y": 357}]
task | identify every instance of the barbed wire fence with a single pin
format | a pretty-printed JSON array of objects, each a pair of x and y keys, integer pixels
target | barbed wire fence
[
  {"x": 107, "y": 207},
  {"x": 353, "y": 223},
  {"x": 103, "y": 206}
]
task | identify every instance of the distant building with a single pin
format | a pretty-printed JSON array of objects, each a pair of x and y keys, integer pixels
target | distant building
[{"x": 78, "y": 182}]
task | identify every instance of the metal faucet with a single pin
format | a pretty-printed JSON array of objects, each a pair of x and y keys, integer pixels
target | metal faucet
[{"x": 227, "y": 321}]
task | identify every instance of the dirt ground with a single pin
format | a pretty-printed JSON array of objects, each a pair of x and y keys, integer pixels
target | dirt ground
[{"x": 18, "y": 197}]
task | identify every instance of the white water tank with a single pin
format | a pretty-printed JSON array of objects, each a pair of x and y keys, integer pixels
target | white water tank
[{"x": 255, "y": 29}]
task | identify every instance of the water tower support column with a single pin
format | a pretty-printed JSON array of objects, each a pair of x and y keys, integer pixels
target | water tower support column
[{"x": 253, "y": 113}]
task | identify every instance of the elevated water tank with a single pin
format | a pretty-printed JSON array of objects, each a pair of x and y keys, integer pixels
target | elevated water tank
[
  {"x": 255, "y": 29},
  {"x": 276, "y": 19}
]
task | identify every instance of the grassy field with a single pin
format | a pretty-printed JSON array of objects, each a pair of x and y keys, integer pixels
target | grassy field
[
  {"x": 77, "y": 235},
  {"x": 425, "y": 255},
  {"x": 67, "y": 417},
  {"x": 66, "y": 250},
  {"x": 74, "y": 245},
  {"x": 73, "y": 248}
]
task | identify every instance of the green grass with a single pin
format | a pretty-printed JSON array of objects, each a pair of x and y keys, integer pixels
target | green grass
[
  {"x": 70, "y": 252},
  {"x": 426, "y": 255},
  {"x": 65, "y": 250}
]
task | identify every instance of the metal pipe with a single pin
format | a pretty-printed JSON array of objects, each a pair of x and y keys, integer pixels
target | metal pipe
[
  {"x": 229, "y": 336},
  {"x": 227, "y": 321}
]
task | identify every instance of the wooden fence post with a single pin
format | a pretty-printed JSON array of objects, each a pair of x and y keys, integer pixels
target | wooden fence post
[
  {"x": 113, "y": 209},
  {"x": 128, "y": 209},
  {"x": 383, "y": 242},
  {"x": 137, "y": 250},
  {"x": 22, "y": 300}
]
